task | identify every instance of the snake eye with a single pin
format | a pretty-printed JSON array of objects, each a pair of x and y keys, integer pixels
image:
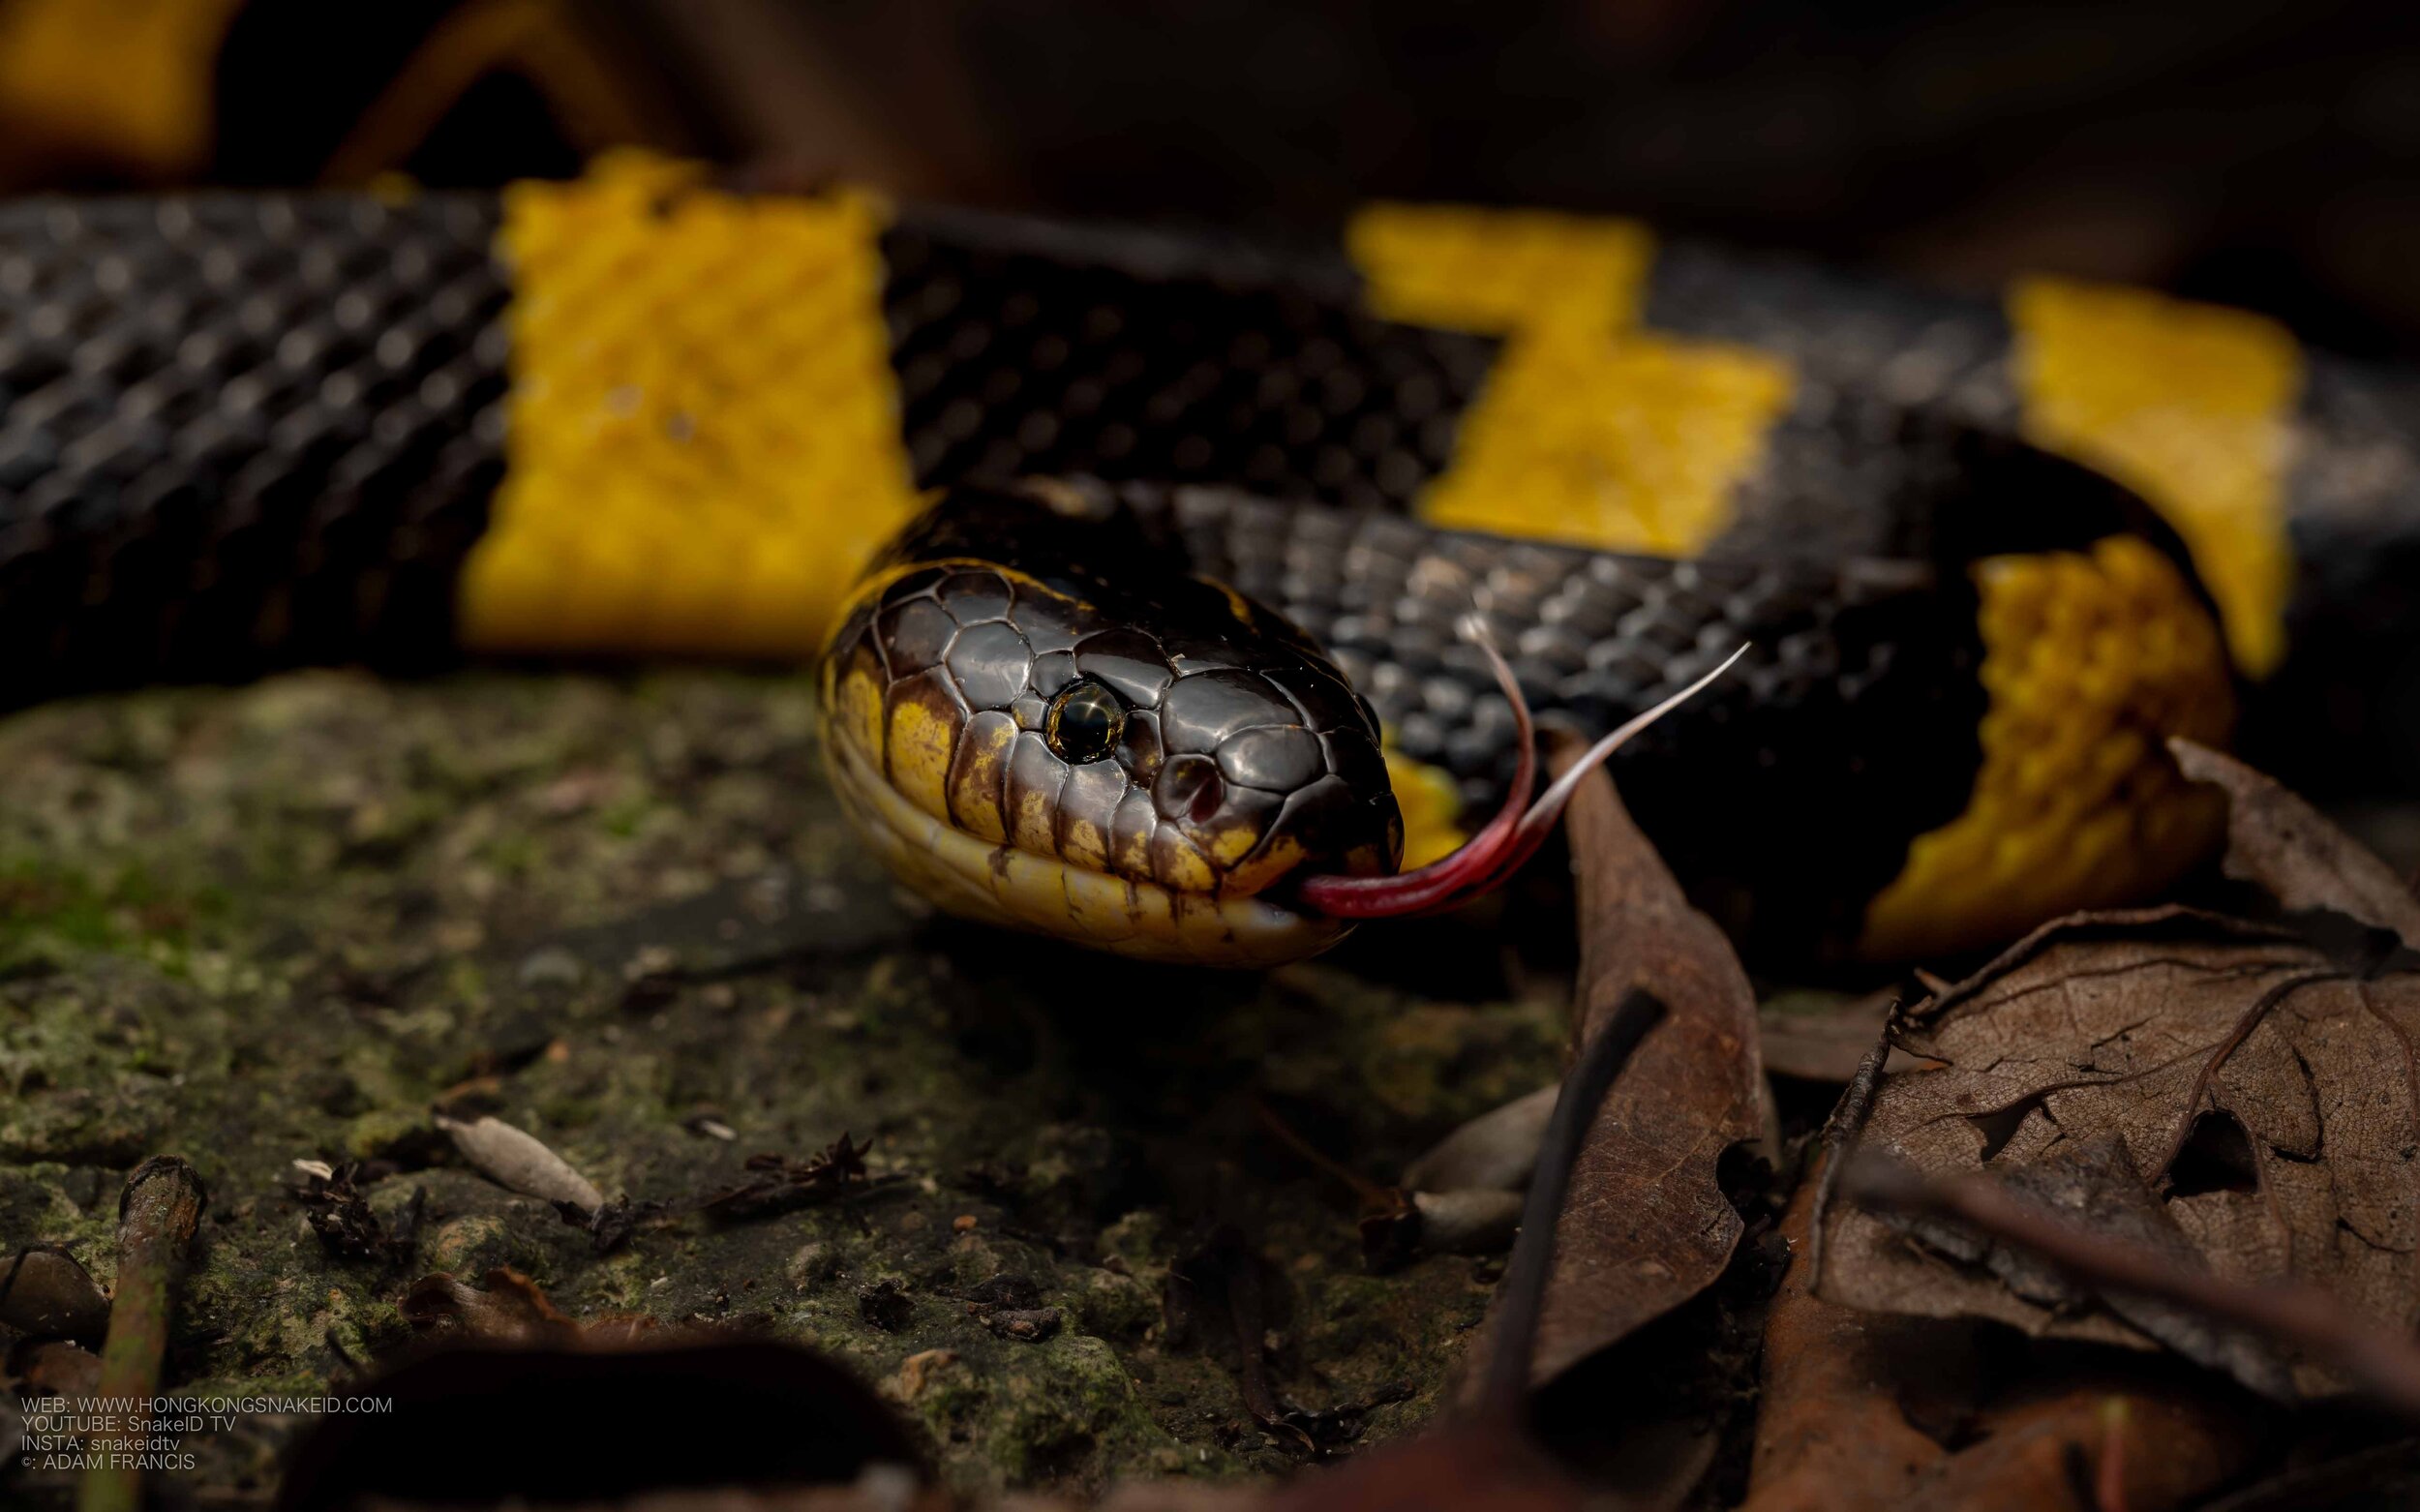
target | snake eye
[{"x": 1084, "y": 722}]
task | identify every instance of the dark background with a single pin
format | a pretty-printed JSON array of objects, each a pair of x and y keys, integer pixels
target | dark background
[{"x": 2245, "y": 151}]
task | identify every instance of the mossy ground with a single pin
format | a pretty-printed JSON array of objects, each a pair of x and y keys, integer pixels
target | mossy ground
[{"x": 292, "y": 919}]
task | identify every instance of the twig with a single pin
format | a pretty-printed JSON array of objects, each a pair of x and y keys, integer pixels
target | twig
[
  {"x": 1249, "y": 1315},
  {"x": 2296, "y": 1313},
  {"x": 1533, "y": 1252},
  {"x": 1393, "y": 1224},
  {"x": 1370, "y": 1193},
  {"x": 1840, "y": 1135},
  {"x": 159, "y": 1212}
]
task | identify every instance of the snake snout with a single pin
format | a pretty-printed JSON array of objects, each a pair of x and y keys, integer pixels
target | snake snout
[
  {"x": 1106, "y": 750},
  {"x": 1270, "y": 773}
]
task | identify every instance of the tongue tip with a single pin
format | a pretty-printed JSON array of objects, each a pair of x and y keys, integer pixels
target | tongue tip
[{"x": 1488, "y": 859}]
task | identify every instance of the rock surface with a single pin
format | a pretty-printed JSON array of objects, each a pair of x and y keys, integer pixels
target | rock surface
[{"x": 297, "y": 921}]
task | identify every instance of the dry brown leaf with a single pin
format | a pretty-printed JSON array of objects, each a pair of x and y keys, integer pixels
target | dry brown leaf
[
  {"x": 2276, "y": 838},
  {"x": 1837, "y": 1421},
  {"x": 777, "y": 1185},
  {"x": 1829, "y": 1427},
  {"x": 46, "y": 1293},
  {"x": 2220, "y": 1089},
  {"x": 51, "y": 1368},
  {"x": 1646, "y": 1226},
  {"x": 2161, "y": 1446},
  {"x": 2231, "y": 1094},
  {"x": 509, "y": 1308}
]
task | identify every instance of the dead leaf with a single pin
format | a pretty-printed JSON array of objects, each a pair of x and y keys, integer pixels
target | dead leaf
[
  {"x": 1829, "y": 1427},
  {"x": 1838, "y": 1423},
  {"x": 2221, "y": 1088},
  {"x": 779, "y": 1184},
  {"x": 509, "y": 1308},
  {"x": 1470, "y": 1215},
  {"x": 1488, "y": 1457},
  {"x": 2163, "y": 1447},
  {"x": 337, "y": 1207},
  {"x": 1646, "y": 1226},
  {"x": 46, "y": 1293},
  {"x": 2276, "y": 839},
  {"x": 53, "y": 1368}
]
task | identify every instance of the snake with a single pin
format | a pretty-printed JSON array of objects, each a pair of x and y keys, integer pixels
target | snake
[{"x": 1199, "y": 599}]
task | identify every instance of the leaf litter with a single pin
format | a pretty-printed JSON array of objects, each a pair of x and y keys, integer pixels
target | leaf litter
[
  {"x": 2237, "y": 1094},
  {"x": 1647, "y": 1226}
]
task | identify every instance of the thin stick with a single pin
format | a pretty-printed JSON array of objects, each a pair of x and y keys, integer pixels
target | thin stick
[
  {"x": 2376, "y": 1356},
  {"x": 159, "y": 1212},
  {"x": 1362, "y": 1187},
  {"x": 1533, "y": 1252},
  {"x": 1840, "y": 1135}
]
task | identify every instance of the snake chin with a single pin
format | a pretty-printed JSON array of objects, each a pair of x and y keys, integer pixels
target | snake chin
[{"x": 1001, "y": 885}]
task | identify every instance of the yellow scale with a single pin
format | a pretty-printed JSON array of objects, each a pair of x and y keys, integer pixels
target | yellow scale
[
  {"x": 702, "y": 380},
  {"x": 704, "y": 444}
]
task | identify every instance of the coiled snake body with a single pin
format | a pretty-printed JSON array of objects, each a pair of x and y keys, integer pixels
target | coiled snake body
[{"x": 1138, "y": 704}]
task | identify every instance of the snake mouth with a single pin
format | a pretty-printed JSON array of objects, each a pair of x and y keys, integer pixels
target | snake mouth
[{"x": 1043, "y": 894}]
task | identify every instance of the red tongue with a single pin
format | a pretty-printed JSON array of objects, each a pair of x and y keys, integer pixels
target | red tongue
[{"x": 1483, "y": 862}]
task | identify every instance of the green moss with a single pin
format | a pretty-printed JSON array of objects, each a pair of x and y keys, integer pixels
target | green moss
[{"x": 47, "y": 908}]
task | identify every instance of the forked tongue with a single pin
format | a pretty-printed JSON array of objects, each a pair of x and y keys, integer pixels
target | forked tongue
[{"x": 1482, "y": 862}]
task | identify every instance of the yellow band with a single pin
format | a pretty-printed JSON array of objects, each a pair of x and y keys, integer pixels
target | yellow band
[
  {"x": 1587, "y": 430},
  {"x": 704, "y": 444},
  {"x": 1495, "y": 271},
  {"x": 2190, "y": 406},
  {"x": 2090, "y": 662}
]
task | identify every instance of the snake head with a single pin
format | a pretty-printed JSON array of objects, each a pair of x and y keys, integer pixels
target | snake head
[{"x": 1039, "y": 723}]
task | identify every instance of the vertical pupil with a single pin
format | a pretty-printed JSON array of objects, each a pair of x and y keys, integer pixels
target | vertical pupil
[{"x": 1084, "y": 722}]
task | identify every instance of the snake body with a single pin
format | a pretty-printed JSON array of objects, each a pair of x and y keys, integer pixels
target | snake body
[
  {"x": 1212, "y": 617},
  {"x": 239, "y": 432}
]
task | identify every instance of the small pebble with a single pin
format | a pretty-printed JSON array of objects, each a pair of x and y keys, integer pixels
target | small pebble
[
  {"x": 549, "y": 966},
  {"x": 511, "y": 1158}
]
